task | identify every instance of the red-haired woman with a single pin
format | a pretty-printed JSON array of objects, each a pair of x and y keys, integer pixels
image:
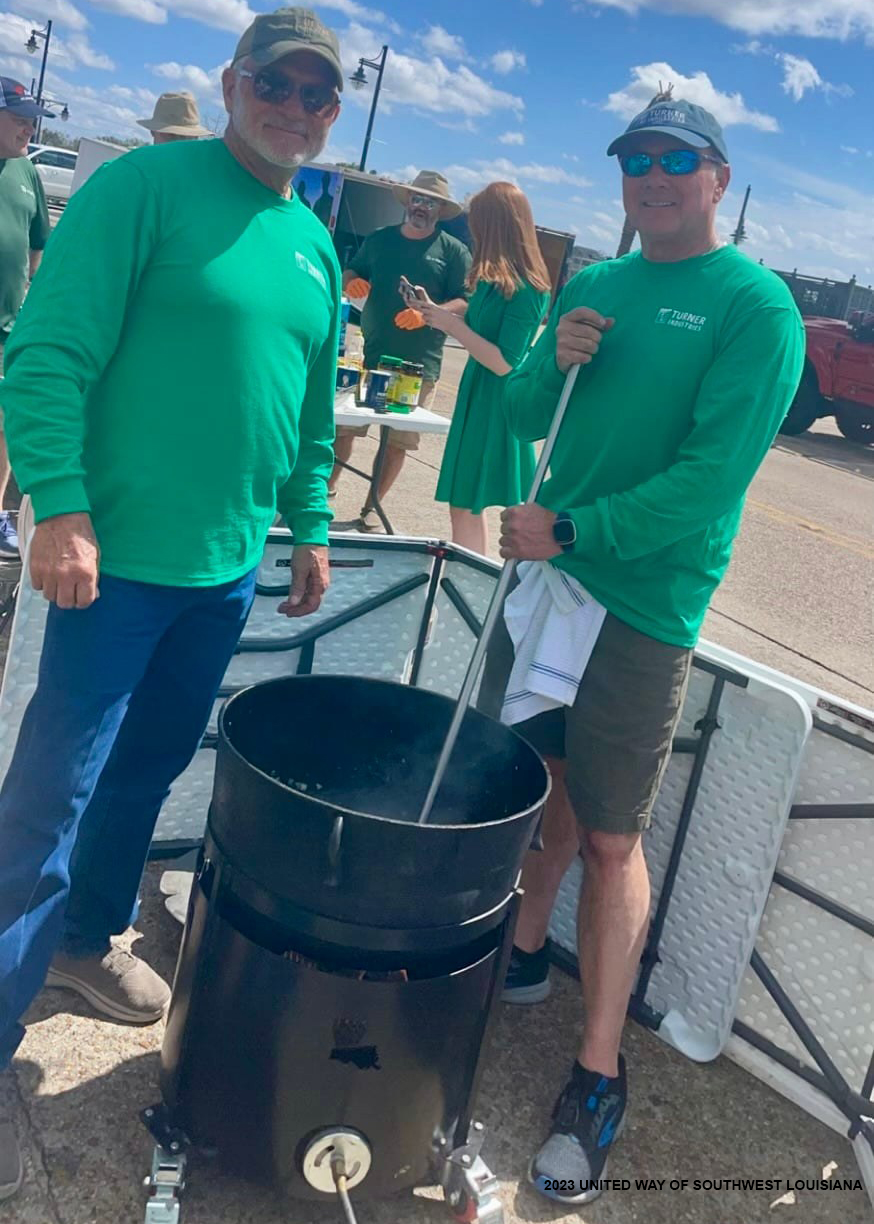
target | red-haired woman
[{"x": 484, "y": 464}]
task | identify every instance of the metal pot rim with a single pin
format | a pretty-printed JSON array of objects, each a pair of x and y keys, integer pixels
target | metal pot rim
[{"x": 226, "y": 742}]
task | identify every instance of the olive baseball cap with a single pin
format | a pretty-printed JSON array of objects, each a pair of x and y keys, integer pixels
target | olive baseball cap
[
  {"x": 273, "y": 35},
  {"x": 692, "y": 124}
]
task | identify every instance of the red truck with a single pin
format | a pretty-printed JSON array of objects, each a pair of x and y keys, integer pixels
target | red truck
[{"x": 838, "y": 378}]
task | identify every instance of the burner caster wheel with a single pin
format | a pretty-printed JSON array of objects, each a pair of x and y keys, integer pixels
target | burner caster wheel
[
  {"x": 471, "y": 1211},
  {"x": 165, "y": 1185},
  {"x": 166, "y": 1181},
  {"x": 470, "y": 1187}
]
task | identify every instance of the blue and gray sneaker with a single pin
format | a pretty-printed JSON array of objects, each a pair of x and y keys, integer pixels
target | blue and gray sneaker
[
  {"x": 588, "y": 1117},
  {"x": 527, "y": 979},
  {"x": 8, "y": 536}
]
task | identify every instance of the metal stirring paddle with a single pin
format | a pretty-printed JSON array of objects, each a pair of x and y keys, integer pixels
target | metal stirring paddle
[{"x": 495, "y": 606}]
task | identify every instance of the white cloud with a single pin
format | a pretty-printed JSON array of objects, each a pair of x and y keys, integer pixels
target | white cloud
[
  {"x": 65, "y": 53},
  {"x": 817, "y": 224},
  {"x": 428, "y": 85},
  {"x": 512, "y": 138},
  {"x": 506, "y": 61},
  {"x": 850, "y": 149},
  {"x": 142, "y": 97},
  {"x": 478, "y": 173},
  {"x": 61, "y": 11},
  {"x": 729, "y": 108},
  {"x": 204, "y": 84},
  {"x": 799, "y": 75},
  {"x": 142, "y": 10},
  {"x": 85, "y": 54},
  {"x": 233, "y": 15},
  {"x": 359, "y": 12},
  {"x": 842, "y": 19},
  {"x": 438, "y": 41}
]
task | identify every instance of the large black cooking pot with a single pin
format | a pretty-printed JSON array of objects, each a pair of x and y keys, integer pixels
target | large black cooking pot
[{"x": 318, "y": 785}]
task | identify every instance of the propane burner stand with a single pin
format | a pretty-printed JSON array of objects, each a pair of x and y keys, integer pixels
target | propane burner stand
[{"x": 341, "y": 970}]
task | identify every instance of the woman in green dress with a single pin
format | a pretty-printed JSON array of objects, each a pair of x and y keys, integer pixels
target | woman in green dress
[{"x": 484, "y": 464}]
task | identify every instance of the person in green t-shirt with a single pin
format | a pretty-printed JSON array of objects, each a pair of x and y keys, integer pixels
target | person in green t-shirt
[
  {"x": 429, "y": 259},
  {"x": 170, "y": 384},
  {"x": 24, "y": 231},
  {"x": 690, "y": 355}
]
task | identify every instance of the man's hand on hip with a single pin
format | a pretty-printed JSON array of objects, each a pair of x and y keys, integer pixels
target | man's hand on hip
[
  {"x": 65, "y": 560},
  {"x": 578, "y": 337},
  {"x": 310, "y": 578},
  {"x": 526, "y": 533}
]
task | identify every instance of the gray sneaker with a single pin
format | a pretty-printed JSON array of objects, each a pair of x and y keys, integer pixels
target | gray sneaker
[
  {"x": 11, "y": 1169},
  {"x": 117, "y": 985}
]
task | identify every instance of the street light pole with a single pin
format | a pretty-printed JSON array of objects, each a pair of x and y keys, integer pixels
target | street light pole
[
  {"x": 359, "y": 79},
  {"x": 31, "y": 46}
]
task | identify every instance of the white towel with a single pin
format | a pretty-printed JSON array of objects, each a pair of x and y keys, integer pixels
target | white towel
[{"x": 553, "y": 623}]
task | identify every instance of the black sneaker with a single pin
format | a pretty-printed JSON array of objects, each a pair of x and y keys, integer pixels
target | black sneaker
[
  {"x": 588, "y": 1117},
  {"x": 527, "y": 978}
]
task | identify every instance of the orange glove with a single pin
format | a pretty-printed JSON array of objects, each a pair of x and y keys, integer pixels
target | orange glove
[
  {"x": 357, "y": 288},
  {"x": 409, "y": 319}
]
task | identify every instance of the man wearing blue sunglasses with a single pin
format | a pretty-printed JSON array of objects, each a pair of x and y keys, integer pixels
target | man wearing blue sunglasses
[{"x": 690, "y": 355}]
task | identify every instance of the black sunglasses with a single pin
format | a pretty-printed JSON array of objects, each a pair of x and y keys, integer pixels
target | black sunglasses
[
  {"x": 674, "y": 162},
  {"x": 274, "y": 87}
]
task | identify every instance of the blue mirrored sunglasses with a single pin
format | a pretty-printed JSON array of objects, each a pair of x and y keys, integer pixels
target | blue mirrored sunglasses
[{"x": 674, "y": 162}]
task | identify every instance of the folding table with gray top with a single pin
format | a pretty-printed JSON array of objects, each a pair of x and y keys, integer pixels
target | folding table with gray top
[{"x": 420, "y": 420}]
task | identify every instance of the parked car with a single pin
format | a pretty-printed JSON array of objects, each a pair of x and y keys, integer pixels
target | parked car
[
  {"x": 838, "y": 378},
  {"x": 55, "y": 168}
]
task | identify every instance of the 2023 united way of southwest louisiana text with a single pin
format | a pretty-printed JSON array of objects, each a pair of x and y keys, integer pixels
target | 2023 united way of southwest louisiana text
[{"x": 778, "y": 1185}]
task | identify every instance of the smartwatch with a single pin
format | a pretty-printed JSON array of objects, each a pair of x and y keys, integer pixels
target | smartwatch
[{"x": 564, "y": 531}]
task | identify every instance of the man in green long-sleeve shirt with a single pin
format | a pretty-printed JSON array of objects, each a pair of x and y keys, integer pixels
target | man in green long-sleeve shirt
[
  {"x": 689, "y": 355},
  {"x": 169, "y": 385}
]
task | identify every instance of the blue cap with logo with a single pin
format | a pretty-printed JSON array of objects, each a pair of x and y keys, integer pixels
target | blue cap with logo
[
  {"x": 15, "y": 99},
  {"x": 692, "y": 124}
]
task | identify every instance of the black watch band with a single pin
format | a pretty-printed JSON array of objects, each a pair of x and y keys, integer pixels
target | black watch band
[{"x": 564, "y": 531}]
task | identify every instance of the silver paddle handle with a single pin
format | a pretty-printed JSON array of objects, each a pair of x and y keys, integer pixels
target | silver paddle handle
[{"x": 495, "y": 606}]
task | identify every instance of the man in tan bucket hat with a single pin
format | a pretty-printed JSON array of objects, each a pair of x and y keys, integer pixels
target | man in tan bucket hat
[
  {"x": 429, "y": 258},
  {"x": 175, "y": 118}
]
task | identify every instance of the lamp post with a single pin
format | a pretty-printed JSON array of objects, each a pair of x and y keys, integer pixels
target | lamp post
[
  {"x": 32, "y": 46},
  {"x": 65, "y": 113},
  {"x": 359, "y": 80}
]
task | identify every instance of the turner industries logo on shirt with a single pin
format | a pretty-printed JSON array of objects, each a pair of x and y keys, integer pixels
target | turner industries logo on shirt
[{"x": 680, "y": 318}]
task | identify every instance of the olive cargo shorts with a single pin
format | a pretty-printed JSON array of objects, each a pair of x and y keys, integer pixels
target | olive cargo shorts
[{"x": 616, "y": 738}]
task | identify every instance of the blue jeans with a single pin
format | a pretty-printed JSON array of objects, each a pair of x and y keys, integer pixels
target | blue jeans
[{"x": 125, "y": 691}]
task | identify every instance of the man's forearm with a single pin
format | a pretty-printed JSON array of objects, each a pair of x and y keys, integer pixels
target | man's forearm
[{"x": 34, "y": 262}]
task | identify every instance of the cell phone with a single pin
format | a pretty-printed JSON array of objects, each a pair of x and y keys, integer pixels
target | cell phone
[{"x": 409, "y": 292}]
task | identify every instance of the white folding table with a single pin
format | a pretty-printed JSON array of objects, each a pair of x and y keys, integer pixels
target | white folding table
[{"x": 420, "y": 420}]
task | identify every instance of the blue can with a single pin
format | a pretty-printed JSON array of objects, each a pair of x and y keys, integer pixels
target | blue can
[{"x": 375, "y": 383}]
